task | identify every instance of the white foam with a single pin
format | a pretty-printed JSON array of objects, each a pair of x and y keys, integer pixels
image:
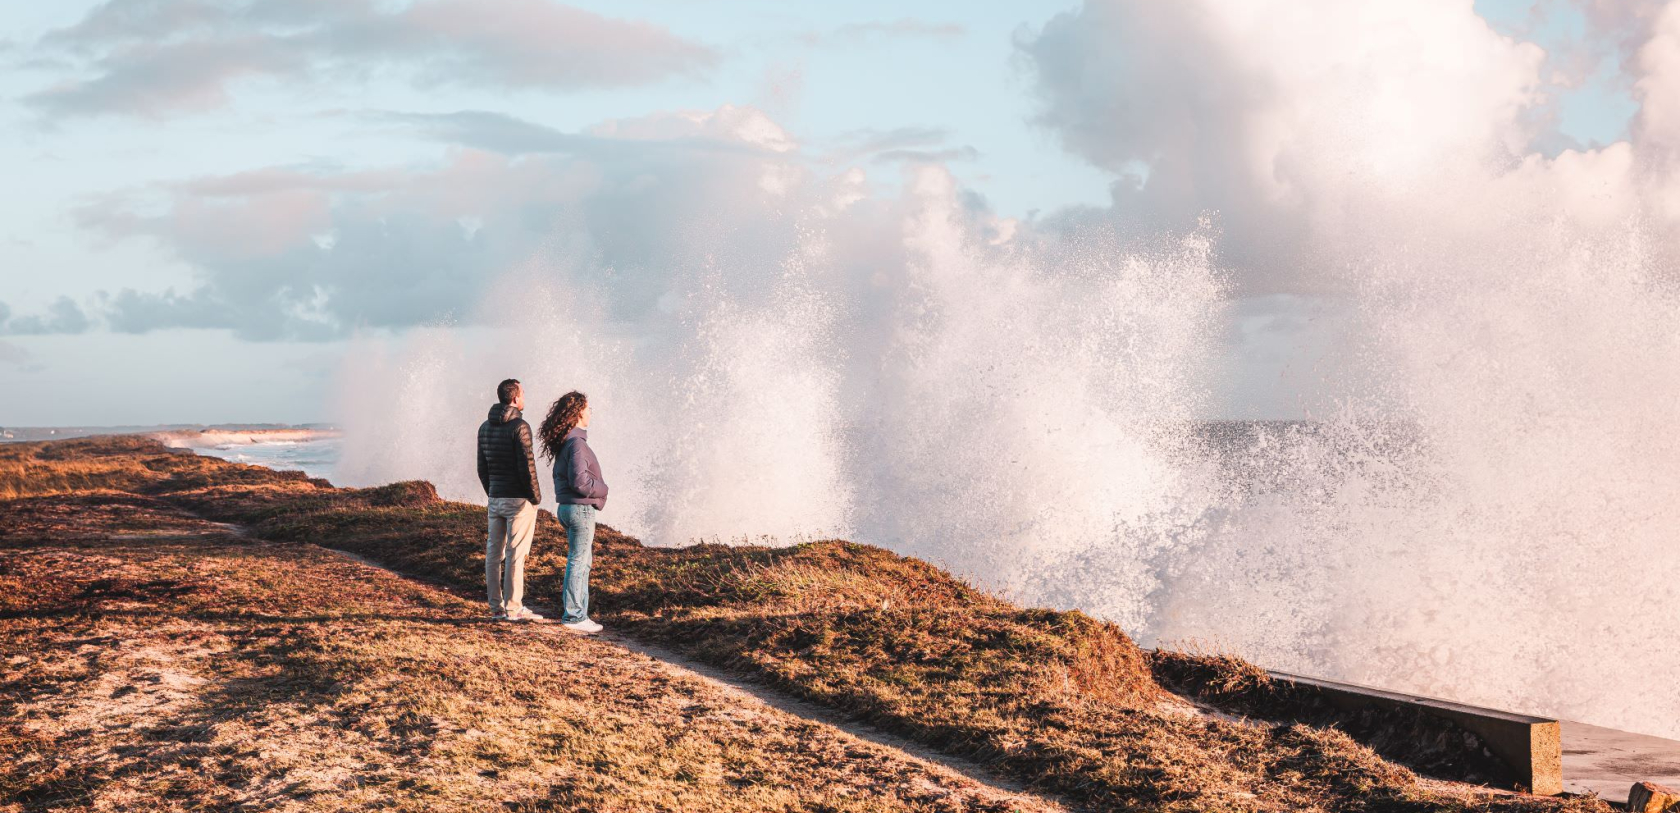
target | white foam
[{"x": 1490, "y": 518}]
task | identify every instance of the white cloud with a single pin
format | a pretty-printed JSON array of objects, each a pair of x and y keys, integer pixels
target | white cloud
[
  {"x": 633, "y": 193},
  {"x": 1279, "y": 116},
  {"x": 1657, "y": 128},
  {"x": 1505, "y": 317},
  {"x": 154, "y": 58}
]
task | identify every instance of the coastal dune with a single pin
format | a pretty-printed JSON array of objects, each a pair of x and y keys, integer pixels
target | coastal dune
[{"x": 225, "y": 581}]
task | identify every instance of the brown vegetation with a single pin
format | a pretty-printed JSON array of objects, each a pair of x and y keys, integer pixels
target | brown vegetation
[
  {"x": 151, "y": 661},
  {"x": 1061, "y": 701}
]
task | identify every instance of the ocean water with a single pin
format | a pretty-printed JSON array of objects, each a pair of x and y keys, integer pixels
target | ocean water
[{"x": 316, "y": 458}]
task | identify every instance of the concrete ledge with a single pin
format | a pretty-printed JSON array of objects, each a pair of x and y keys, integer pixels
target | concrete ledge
[
  {"x": 1532, "y": 746},
  {"x": 1609, "y": 762}
]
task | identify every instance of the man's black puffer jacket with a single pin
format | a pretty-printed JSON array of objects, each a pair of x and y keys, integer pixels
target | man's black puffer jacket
[{"x": 506, "y": 466}]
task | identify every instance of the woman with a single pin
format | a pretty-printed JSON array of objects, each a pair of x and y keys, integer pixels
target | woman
[{"x": 581, "y": 492}]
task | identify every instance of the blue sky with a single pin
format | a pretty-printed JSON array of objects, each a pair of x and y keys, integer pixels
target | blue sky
[
  {"x": 937, "y": 78},
  {"x": 1597, "y": 111},
  {"x": 963, "y": 82}
]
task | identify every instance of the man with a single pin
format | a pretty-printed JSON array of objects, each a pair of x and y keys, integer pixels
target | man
[{"x": 508, "y": 471}]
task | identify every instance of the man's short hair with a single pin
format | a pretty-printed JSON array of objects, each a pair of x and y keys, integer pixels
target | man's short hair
[{"x": 506, "y": 390}]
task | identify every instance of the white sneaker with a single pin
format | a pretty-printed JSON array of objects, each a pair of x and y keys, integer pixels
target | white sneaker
[
  {"x": 525, "y": 615},
  {"x": 584, "y": 627}
]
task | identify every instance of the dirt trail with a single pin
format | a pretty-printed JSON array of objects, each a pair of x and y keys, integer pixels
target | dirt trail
[
  {"x": 748, "y": 690},
  {"x": 751, "y": 693}
]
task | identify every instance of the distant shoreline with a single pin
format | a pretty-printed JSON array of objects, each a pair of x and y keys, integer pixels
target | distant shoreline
[
  {"x": 179, "y": 434},
  {"x": 208, "y": 438}
]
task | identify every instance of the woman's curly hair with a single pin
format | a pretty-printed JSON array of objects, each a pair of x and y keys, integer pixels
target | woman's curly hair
[{"x": 562, "y": 418}]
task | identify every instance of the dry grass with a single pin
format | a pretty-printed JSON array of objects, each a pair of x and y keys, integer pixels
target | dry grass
[
  {"x": 1058, "y": 700},
  {"x": 1425, "y": 742},
  {"x": 29, "y": 469},
  {"x": 187, "y": 669},
  {"x": 119, "y": 463}
]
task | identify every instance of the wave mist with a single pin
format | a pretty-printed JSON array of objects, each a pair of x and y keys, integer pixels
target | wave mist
[{"x": 1489, "y": 517}]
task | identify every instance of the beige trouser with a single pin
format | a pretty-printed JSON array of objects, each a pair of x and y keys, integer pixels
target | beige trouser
[{"x": 512, "y": 521}]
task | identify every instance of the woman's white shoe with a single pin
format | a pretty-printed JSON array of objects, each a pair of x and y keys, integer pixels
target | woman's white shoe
[{"x": 586, "y": 627}]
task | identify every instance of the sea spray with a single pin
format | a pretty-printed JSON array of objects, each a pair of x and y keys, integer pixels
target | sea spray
[
  {"x": 1030, "y": 400},
  {"x": 1493, "y": 521},
  {"x": 715, "y": 414},
  {"x": 925, "y": 389},
  {"x": 750, "y": 423},
  {"x": 402, "y": 406},
  {"x": 1487, "y": 519}
]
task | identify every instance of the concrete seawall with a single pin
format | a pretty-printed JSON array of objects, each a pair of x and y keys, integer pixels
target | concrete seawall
[
  {"x": 1608, "y": 762},
  {"x": 1531, "y": 746},
  {"x": 1549, "y": 756}
]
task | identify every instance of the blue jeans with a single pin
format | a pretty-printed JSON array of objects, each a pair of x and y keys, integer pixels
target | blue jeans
[{"x": 579, "y": 522}]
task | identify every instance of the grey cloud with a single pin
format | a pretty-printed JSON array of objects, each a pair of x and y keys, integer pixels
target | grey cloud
[
  {"x": 126, "y": 21},
  {"x": 155, "y": 58},
  {"x": 132, "y": 311},
  {"x": 497, "y": 132},
  {"x": 19, "y": 357},
  {"x": 1119, "y": 84},
  {"x": 871, "y": 140},
  {"x": 309, "y": 253},
  {"x": 1146, "y": 92},
  {"x": 62, "y": 316},
  {"x": 1627, "y": 23},
  {"x": 379, "y": 273},
  {"x": 270, "y": 180},
  {"x": 902, "y": 27},
  {"x": 381, "y": 268},
  {"x": 963, "y": 153},
  {"x": 877, "y": 31},
  {"x": 902, "y": 145},
  {"x": 317, "y": 252},
  {"x": 510, "y": 135},
  {"x": 1609, "y": 34},
  {"x": 153, "y": 81}
]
